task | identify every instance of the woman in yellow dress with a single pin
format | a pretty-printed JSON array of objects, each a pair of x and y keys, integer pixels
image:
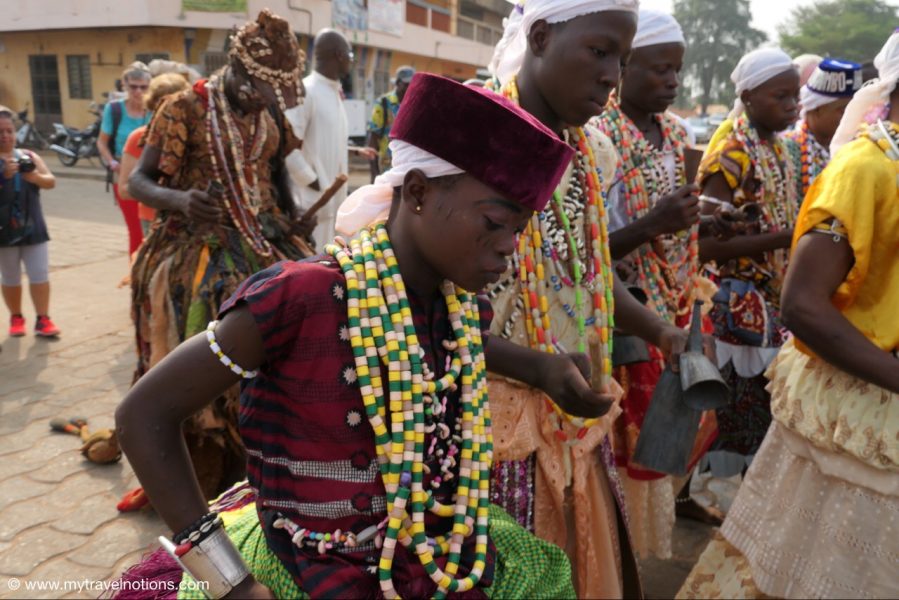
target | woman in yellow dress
[{"x": 817, "y": 515}]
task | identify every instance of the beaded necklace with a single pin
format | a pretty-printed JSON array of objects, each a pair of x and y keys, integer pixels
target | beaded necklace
[
  {"x": 886, "y": 135},
  {"x": 382, "y": 334},
  {"x": 562, "y": 256},
  {"x": 660, "y": 264},
  {"x": 813, "y": 157},
  {"x": 776, "y": 198},
  {"x": 241, "y": 196},
  {"x": 777, "y": 192}
]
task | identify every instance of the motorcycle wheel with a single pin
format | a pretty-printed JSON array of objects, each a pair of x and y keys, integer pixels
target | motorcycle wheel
[{"x": 69, "y": 161}]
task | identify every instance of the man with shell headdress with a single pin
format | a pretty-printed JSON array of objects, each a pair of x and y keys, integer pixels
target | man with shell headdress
[{"x": 208, "y": 167}]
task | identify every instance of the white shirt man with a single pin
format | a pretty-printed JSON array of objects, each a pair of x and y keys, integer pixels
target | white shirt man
[{"x": 321, "y": 123}]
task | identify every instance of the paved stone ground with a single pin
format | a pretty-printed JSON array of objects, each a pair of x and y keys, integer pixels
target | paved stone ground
[{"x": 58, "y": 520}]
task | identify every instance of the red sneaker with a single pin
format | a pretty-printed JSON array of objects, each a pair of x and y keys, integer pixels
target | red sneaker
[
  {"x": 16, "y": 326},
  {"x": 45, "y": 327}
]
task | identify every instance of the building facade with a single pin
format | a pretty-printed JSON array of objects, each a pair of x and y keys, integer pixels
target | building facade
[{"x": 59, "y": 57}]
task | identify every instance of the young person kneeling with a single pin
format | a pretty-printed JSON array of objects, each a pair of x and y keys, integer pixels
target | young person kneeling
[{"x": 364, "y": 408}]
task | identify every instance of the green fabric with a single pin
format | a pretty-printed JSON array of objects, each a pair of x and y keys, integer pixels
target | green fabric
[{"x": 526, "y": 566}]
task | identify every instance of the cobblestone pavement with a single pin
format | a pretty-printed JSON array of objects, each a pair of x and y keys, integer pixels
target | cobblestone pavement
[{"x": 58, "y": 521}]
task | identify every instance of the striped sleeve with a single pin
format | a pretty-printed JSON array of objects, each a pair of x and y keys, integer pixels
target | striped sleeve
[{"x": 276, "y": 298}]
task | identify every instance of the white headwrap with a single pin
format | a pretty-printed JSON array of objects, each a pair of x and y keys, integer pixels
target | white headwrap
[
  {"x": 756, "y": 68},
  {"x": 371, "y": 203},
  {"x": 872, "y": 97},
  {"x": 811, "y": 100},
  {"x": 656, "y": 27},
  {"x": 511, "y": 49}
]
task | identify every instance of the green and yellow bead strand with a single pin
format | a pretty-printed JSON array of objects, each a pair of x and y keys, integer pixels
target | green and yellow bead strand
[
  {"x": 471, "y": 493},
  {"x": 453, "y": 307},
  {"x": 372, "y": 397}
]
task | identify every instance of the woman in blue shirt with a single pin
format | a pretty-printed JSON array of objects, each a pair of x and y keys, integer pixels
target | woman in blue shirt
[{"x": 120, "y": 118}]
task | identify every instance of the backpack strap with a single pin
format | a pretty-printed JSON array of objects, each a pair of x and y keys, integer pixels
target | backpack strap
[
  {"x": 17, "y": 178},
  {"x": 117, "y": 107}
]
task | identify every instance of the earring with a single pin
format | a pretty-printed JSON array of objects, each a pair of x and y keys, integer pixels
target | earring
[{"x": 418, "y": 208}]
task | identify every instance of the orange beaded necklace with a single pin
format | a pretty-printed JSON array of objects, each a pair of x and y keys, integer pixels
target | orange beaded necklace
[
  {"x": 543, "y": 262},
  {"x": 660, "y": 267}
]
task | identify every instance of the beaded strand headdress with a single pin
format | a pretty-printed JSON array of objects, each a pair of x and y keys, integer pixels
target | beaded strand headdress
[{"x": 268, "y": 50}]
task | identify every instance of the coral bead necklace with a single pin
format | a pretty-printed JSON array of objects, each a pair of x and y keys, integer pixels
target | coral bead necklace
[
  {"x": 667, "y": 268},
  {"x": 241, "y": 196},
  {"x": 562, "y": 255},
  {"x": 382, "y": 334},
  {"x": 813, "y": 157},
  {"x": 777, "y": 194}
]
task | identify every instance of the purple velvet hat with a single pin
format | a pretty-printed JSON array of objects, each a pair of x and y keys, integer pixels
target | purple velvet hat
[{"x": 485, "y": 135}]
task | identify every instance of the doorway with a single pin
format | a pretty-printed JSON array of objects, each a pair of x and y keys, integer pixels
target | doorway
[{"x": 46, "y": 100}]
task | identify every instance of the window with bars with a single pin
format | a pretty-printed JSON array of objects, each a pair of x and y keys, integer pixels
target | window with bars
[
  {"x": 78, "y": 67},
  {"x": 213, "y": 61}
]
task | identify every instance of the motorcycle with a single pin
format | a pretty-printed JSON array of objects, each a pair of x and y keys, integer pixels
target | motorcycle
[
  {"x": 28, "y": 136},
  {"x": 72, "y": 144}
]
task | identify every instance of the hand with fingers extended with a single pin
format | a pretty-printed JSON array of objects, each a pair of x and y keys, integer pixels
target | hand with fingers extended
[
  {"x": 365, "y": 152},
  {"x": 676, "y": 211},
  {"x": 10, "y": 168},
  {"x": 566, "y": 379},
  {"x": 199, "y": 206}
]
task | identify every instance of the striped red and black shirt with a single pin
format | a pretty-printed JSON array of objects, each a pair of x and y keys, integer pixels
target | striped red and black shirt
[{"x": 310, "y": 448}]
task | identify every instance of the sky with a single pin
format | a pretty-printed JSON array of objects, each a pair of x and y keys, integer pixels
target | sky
[{"x": 766, "y": 14}]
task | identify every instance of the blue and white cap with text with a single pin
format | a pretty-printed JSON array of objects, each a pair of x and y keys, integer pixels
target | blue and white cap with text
[{"x": 836, "y": 78}]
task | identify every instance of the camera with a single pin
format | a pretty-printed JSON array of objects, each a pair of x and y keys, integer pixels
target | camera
[{"x": 26, "y": 165}]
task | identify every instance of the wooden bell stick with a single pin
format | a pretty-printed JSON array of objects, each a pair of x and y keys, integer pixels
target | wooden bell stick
[{"x": 339, "y": 181}]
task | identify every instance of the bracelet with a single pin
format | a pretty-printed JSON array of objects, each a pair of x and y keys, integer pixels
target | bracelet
[
  {"x": 213, "y": 561},
  {"x": 832, "y": 227},
  {"x": 198, "y": 529},
  {"x": 716, "y": 201},
  {"x": 223, "y": 358}
]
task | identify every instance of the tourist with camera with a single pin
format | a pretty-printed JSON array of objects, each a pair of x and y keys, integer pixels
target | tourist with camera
[{"x": 23, "y": 231}]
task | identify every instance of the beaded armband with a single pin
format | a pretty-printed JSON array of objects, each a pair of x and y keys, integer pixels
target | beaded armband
[
  {"x": 224, "y": 358},
  {"x": 198, "y": 530}
]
